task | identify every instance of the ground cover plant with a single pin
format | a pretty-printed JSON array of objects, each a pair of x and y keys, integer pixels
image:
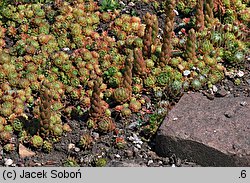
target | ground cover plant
[{"x": 90, "y": 61}]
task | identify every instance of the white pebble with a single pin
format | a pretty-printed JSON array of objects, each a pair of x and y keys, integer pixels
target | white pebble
[
  {"x": 173, "y": 165},
  {"x": 117, "y": 156},
  {"x": 243, "y": 103},
  {"x": 138, "y": 146},
  {"x": 186, "y": 72},
  {"x": 131, "y": 4},
  {"x": 240, "y": 74},
  {"x": 130, "y": 138},
  {"x": 71, "y": 146},
  {"x": 77, "y": 149},
  {"x": 176, "y": 12},
  {"x": 8, "y": 162},
  {"x": 95, "y": 135},
  {"x": 65, "y": 49},
  {"x": 137, "y": 140},
  {"x": 215, "y": 89},
  {"x": 150, "y": 162},
  {"x": 122, "y": 3}
]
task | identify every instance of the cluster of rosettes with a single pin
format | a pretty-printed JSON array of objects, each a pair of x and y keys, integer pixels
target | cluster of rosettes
[{"x": 61, "y": 49}]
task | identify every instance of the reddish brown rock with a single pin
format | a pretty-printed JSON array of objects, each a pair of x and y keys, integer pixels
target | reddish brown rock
[{"x": 208, "y": 132}]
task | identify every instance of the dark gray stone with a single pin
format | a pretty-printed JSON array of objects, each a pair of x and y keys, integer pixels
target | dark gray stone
[{"x": 197, "y": 129}]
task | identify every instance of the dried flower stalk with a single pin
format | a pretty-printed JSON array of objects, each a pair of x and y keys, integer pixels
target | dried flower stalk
[
  {"x": 199, "y": 15},
  {"x": 96, "y": 109},
  {"x": 45, "y": 112},
  {"x": 191, "y": 46},
  {"x": 151, "y": 33},
  {"x": 168, "y": 32},
  {"x": 127, "y": 82},
  {"x": 209, "y": 15},
  {"x": 139, "y": 62}
]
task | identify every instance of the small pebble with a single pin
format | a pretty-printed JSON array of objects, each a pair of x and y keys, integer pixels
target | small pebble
[
  {"x": 135, "y": 139},
  {"x": 81, "y": 160},
  {"x": 229, "y": 114},
  {"x": 129, "y": 153},
  {"x": 8, "y": 162},
  {"x": 160, "y": 111},
  {"x": 166, "y": 161},
  {"x": 133, "y": 125},
  {"x": 71, "y": 146},
  {"x": 243, "y": 103},
  {"x": 131, "y": 4},
  {"x": 130, "y": 138},
  {"x": 138, "y": 146},
  {"x": 182, "y": 41},
  {"x": 152, "y": 154},
  {"x": 95, "y": 135},
  {"x": 150, "y": 162},
  {"x": 230, "y": 74},
  {"x": 178, "y": 162},
  {"x": 65, "y": 49},
  {"x": 221, "y": 92},
  {"x": 240, "y": 74},
  {"x": 176, "y": 12},
  {"x": 215, "y": 89},
  {"x": 117, "y": 156},
  {"x": 77, "y": 149},
  {"x": 186, "y": 72},
  {"x": 248, "y": 81},
  {"x": 173, "y": 165},
  {"x": 13, "y": 140},
  {"x": 158, "y": 94},
  {"x": 144, "y": 155},
  {"x": 209, "y": 95},
  {"x": 122, "y": 3}
]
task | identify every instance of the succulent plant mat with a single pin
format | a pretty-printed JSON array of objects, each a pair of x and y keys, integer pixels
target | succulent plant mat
[{"x": 88, "y": 83}]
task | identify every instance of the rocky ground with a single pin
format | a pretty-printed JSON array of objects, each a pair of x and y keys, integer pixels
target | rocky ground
[{"x": 138, "y": 150}]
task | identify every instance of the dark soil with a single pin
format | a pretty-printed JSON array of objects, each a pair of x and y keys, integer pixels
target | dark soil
[{"x": 134, "y": 153}]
